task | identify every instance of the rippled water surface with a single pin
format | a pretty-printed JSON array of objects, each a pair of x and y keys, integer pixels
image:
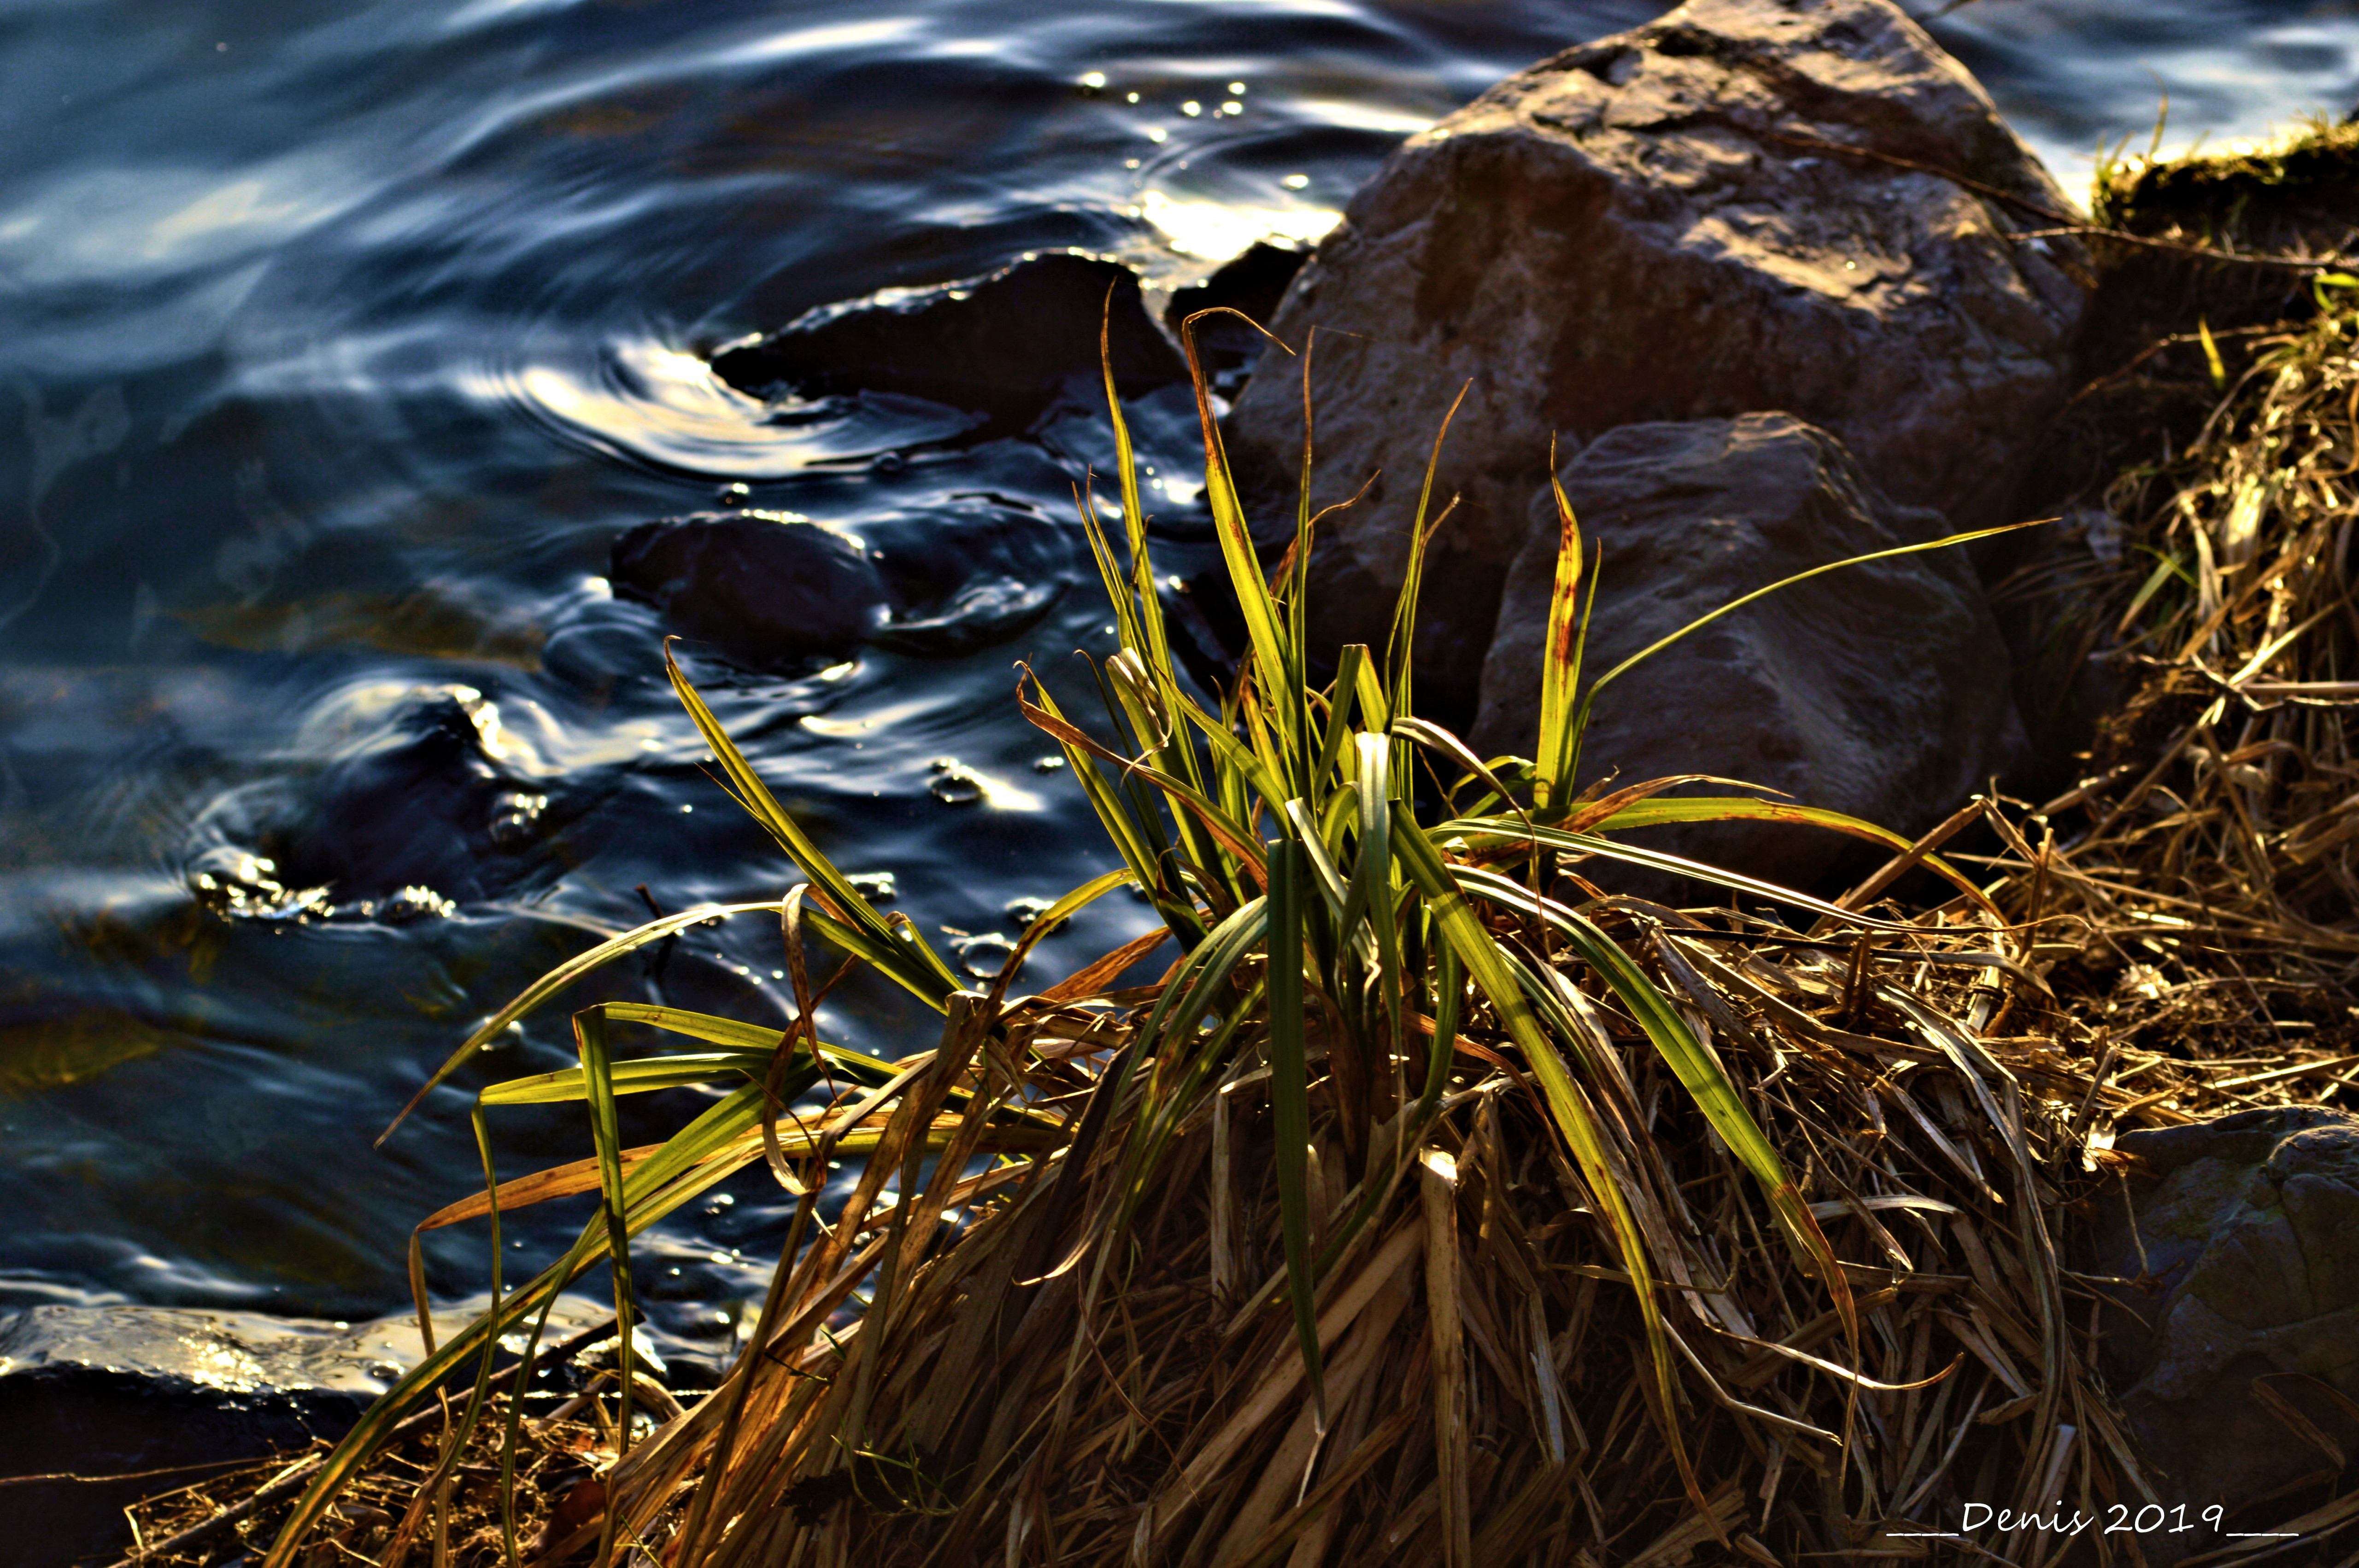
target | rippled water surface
[{"x": 337, "y": 344}]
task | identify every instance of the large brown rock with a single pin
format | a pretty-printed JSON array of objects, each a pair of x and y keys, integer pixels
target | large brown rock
[
  {"x": 1637, "y": 230},
  {"x": 2247, "y": 1236},
  {"x": 1878, "y": 690}
]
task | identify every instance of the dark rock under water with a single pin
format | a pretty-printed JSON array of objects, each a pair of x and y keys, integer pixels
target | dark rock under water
[
  {"x": 398, "y": 803},
  {"x": 772, "y": 591},
  {"x": 767, "y": 589}
]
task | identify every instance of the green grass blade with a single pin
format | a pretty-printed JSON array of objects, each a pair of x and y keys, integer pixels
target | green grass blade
[
  {"x": 564, "y": 975},
  {"x": 1147, "y": 615},
  {"x": 1265, "y": 630},
  {"x": 1576, "y": 729},
  {"x": 1698, "y": 1070},
  {"x": 895, "y": 948},
  {"x": 639, "y": 1077},
  {"x": 1236, "y": 763},
  {"x": 1193, "y": 991},
  {"x": 1289, "y": 1096},
  {"x": 1436, "y": 738},
  {"x": 1494, "y": 973},
  {"x": 1449, "y": 1009},
  {"x": 1589, "y": 701},
  {"x": 1321, "y": 865},
  {"x": 597, "y": 1073},
  {"x": 1706, "y": 808},
  {"x": 1560, "y": 657},
  {"x": 1298, "y": 595},
  {"x": 736, "y": 1034},
  {"x": 1056, "y": 914},
  {"x": 1400, "y": 650},
  {"x": 1118, "y": 597},
  {"x": 1115, "y": 810},
  {"x": 1373, "y": 881},
  {"x": 1376, "y": 708},
  {"x": 1342, "y": 696},
  {"x": 1147, "y": 704},
  {"x": 1370, "y": 896},
  {"x": 1506, "y": 830},
  {"x": 1170, "y": 1030},
  {"x": 1233, "y": 840}
]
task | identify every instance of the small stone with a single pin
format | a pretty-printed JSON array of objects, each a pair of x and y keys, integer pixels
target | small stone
[
  {"x": 515, "y": 818},
  {"x": 878, "y": 887}
]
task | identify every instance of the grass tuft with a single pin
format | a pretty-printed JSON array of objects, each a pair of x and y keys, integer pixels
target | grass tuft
[{"x": 1435, "y": 1205}]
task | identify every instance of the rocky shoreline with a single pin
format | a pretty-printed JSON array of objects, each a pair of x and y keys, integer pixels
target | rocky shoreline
[{"x": 103, "y": 1406}]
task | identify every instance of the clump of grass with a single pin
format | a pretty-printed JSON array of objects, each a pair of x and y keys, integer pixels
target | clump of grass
[
  {"x": 1433, "y": 1206},
  {"x": 2200, "y": 886},
  {"x": 2235, "y": 198},
  {"x": 2196, "y": 256}
]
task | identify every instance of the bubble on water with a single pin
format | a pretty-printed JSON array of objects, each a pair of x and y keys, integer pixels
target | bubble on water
[
  {"x": 984, "y": 957},
  {"x": 415, "y": 903},
  {"x": 954, "y": 784},
  {"x": 1025, "y": 911},
  {"x": 515, "y": 818}
]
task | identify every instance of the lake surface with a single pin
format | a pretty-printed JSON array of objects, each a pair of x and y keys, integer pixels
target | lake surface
[{"x": 336, "y": 345}]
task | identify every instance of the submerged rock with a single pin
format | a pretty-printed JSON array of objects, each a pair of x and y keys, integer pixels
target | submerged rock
[
  {"x": 1879, "y": 690},
  {"x": 770, "y": 590},
  {"x": 2247, "y": 1236},
  {"x": 1666, "y": 224},
  {"x": 395, "y": 803},
  {"x": 1001, "y": 344},
  {"x": 1252, "y": 282}
]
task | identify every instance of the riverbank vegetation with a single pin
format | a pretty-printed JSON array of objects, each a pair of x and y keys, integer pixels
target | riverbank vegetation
[{"x": 1430, "y": 1203}]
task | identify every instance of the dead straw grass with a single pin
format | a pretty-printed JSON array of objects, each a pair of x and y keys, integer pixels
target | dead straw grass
[{"x": 2197, "y": 894}]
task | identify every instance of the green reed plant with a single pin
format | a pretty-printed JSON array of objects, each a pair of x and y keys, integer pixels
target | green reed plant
[{"x": 1340, "y": 936}]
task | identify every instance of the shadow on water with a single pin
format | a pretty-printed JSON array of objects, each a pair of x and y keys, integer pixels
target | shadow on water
[{"x": 337, "y": 350}]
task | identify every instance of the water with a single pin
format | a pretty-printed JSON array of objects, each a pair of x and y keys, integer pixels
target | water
[{"x": 336, "y": 344}]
